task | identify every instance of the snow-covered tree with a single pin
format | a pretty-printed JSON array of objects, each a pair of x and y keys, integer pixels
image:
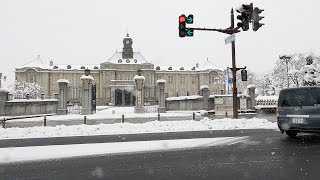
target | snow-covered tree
[
  {"x": 311, "y": 72},
  {"x": 23, "y": 88},
  {"x": 294, "y": 63}
]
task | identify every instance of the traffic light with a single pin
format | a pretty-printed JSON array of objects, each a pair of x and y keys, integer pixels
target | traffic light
[
  {"x": 244, "y": 24},
  {"x": 245, "y": 16},
  {"x": 182, "y": 25},
  {"x": 190, "y": 19},
  {"x": 256, "y": 19},
  {"x": 244, "y": 75}
]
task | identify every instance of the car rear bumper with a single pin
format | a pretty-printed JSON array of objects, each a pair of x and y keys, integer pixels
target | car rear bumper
[{"x": 310, "y": 125}]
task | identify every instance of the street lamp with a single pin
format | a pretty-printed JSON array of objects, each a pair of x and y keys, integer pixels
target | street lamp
[{"x": 287, "y": 60}]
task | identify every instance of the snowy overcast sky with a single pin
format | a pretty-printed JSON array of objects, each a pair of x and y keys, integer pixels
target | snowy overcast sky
[{"x": 90, "y": 31}]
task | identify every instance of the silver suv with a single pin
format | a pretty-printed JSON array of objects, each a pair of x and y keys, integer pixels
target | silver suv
[{"x": 299, "y": 110}]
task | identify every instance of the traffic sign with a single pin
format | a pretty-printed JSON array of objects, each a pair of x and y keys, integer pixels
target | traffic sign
[
  {"x": 230, "y": 39},
  {"x": 229, "y": 80}
]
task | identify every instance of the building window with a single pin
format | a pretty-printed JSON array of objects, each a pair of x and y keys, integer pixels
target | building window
[
  {"x": 193, "y": 80},
  {"x": 31, "y": 78},
  {"x": 119, "y": 77},
  {"x": 182, "y": 80},
  {"x": 214, "y": 80},
  {"x": 170, "y": 79}
]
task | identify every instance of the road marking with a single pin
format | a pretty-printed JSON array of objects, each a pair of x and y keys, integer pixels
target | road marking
[{"x": 35, "y": 153}]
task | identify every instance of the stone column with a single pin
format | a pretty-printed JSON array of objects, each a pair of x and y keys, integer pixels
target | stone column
[
  {"x": 113, "y": 96},
  {"x": 3, "y": 98},
  {"x": 161, "y": 99},
  {"x": 139, "y": 94},
  {"x": 205, "y": 93},
  {"x": 252, "y": 94},
  {"x": 63, "y": 94},
  {"x": 86, "y": 94}
]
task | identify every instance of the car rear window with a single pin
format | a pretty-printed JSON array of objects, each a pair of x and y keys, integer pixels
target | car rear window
[{"x": 299, "y": 97}]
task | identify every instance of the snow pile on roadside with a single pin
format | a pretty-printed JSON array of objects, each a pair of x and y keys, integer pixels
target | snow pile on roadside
[
  {"x": 227, "y": 124},
  {"x": 111, "y": 113},
  {"x": 129, "y": 128}
]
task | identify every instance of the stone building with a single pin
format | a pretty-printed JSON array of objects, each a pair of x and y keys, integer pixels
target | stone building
[{"x": 114, "y": 78}]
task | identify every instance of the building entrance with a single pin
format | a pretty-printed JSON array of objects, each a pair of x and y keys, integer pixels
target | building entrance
[{"x": 124, "y": 98}]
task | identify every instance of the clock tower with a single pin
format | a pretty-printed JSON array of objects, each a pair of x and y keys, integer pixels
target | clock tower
[{"x": 127, "y": 52}]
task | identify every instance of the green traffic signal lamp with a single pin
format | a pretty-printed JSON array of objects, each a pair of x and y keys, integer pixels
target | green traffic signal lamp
[
  {"x": 190, "y": 19},
  {"x": 256, "y": 18},
  {"x": 182, "y": 25}
]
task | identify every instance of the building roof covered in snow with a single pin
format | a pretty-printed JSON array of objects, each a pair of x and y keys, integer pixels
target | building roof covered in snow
[{"x": 136, "y": 59}]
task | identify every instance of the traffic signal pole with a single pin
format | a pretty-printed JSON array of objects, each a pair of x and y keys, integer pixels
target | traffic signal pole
[
  {"x": 234, "y": 71},
  {"x": 248, "y": 15}
]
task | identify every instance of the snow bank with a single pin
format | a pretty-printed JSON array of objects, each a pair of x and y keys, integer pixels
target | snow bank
[
  {"x": 107, "y": 113},
  {"x": 31, "y": 100},
  {"x": 183, "y": 98},
  {"x": 267, "y": 98},
  {"x": 23, "y": 154},
  {"x": 129, "y": 128}
]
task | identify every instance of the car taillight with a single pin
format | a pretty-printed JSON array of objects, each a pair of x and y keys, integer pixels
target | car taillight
[{"x": 277, "y": 111}]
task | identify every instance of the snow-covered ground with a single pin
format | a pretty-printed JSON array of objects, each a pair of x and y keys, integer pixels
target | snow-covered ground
[
  {"x": 130, "y": 128},
  {"x": 35, "y": 153},
  {"x": 110, "y": 113}
]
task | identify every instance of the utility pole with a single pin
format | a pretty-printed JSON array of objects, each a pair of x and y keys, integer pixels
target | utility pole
[
  {"x": 287, "y": 60},
  {"x": 234, "y": 73}
]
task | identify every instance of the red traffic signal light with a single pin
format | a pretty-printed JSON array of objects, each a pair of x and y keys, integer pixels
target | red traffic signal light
[
  {"x": 182, "y": 25},
  {"x": 182, "y": 18}
]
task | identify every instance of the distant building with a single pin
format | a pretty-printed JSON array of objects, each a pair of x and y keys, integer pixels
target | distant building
[{"x": 114, "y": 78}]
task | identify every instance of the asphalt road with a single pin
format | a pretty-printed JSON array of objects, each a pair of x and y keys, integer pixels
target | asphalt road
[{"x": 265, "y": 154}]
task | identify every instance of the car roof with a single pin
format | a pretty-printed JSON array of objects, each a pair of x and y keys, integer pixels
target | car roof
[{"x": 303, "y": 87}]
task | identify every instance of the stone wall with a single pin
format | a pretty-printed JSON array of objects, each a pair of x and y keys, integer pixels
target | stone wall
[
  {"x": 190, "y": 103},
  {"x": 30, "y": 107},
  {"x": 184, "y": 105},
  {"x": 187, "y": 103}
]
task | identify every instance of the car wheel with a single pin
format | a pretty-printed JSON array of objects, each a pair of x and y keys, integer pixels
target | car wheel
[{"x": 292, "y": 134}]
